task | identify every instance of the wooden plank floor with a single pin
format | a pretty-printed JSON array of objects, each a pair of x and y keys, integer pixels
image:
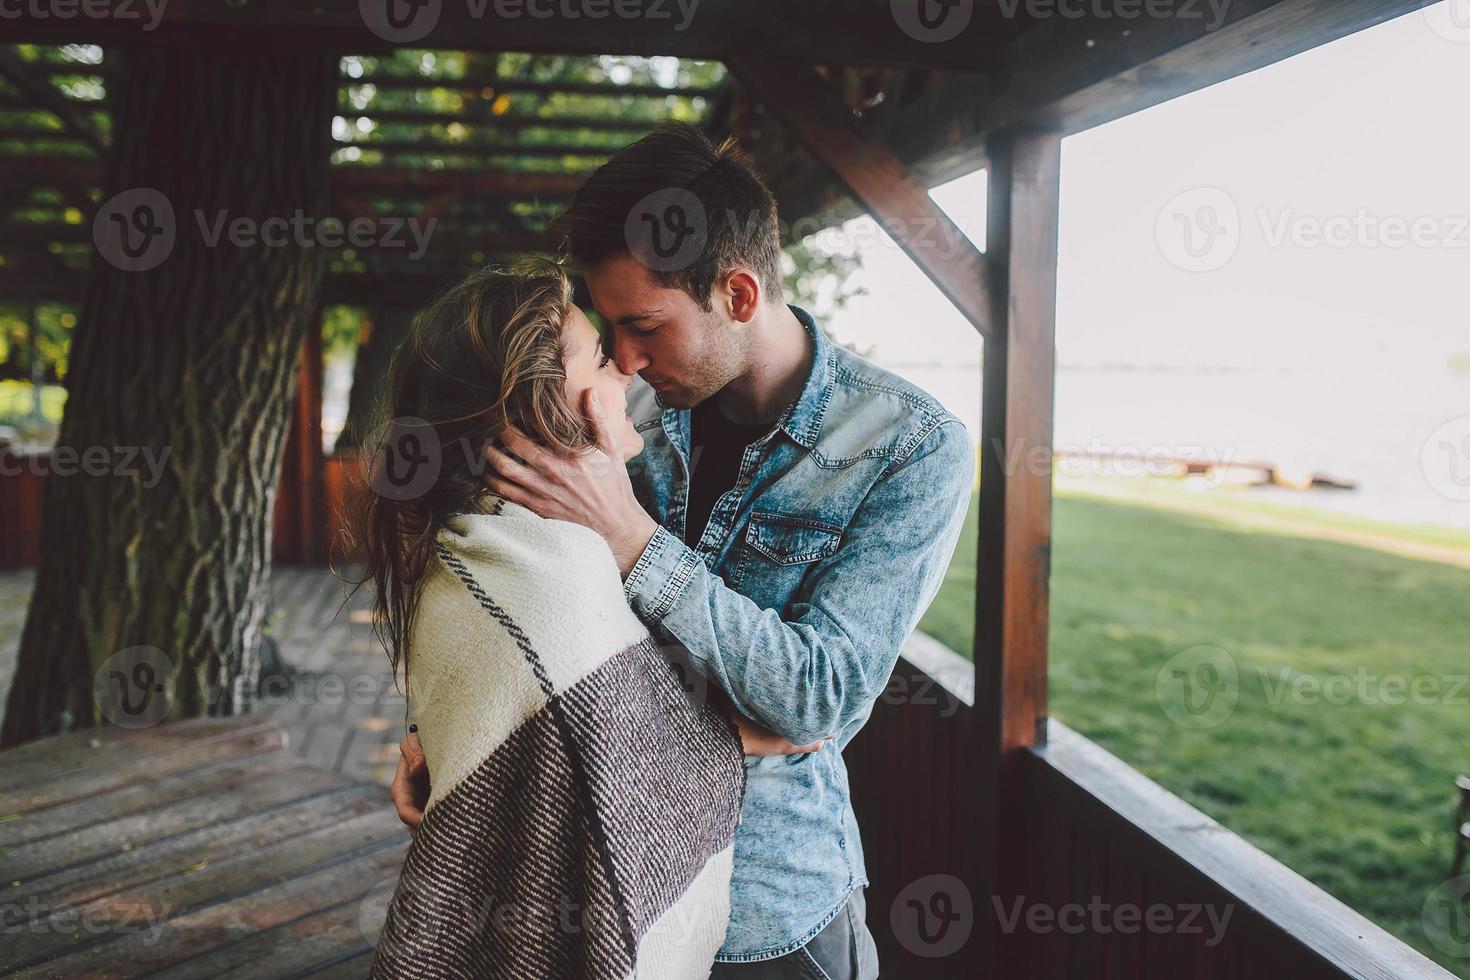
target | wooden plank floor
[
  {"x": 191, "y": 849},
  {"x": 340, "y": 709}
]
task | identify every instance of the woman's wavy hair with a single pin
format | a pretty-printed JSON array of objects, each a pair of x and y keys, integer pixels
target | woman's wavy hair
[{"x": 485, "y": 354}]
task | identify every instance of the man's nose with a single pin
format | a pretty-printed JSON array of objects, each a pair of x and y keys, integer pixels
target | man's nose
[{"x": 629, "y": 359}]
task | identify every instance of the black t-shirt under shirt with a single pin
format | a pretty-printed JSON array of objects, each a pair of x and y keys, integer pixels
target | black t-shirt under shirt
[{"x": 715, "y": 447}]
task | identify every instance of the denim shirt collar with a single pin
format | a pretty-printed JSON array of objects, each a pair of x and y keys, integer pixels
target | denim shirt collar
[{"x": 803, "y": 418}]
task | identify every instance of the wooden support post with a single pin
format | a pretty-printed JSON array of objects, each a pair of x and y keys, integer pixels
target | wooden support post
[
  {"x": 301, "y": 513},
  {"x": 1009, "y": 294},
  {"x": 797, "y": 95},
  {"x": 1014, "y": 502}
]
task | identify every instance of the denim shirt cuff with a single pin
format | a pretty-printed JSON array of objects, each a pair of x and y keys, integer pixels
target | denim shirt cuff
[{"x": 661, "y": 576}]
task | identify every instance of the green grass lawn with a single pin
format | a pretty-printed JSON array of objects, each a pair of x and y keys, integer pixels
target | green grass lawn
[{"x": 1354, "y": 793}]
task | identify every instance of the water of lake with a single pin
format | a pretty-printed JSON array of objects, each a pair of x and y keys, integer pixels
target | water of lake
[{"x": 1403, "y": 439}]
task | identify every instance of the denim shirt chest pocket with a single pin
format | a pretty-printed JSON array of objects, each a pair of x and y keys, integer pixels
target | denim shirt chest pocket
[{"x": 777, "y": 550}]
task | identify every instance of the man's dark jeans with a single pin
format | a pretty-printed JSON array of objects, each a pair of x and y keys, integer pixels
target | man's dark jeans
[{"x": 843, "y": 950}]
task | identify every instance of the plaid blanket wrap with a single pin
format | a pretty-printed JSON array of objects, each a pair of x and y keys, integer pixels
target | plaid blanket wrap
[{"x": 583, "y": 802}]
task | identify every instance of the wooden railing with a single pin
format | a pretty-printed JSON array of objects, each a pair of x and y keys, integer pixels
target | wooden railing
[{"x": 1121, "y": 878}]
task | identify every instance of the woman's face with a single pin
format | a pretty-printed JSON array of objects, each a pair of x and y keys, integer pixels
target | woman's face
[{"x": 587, "y": 367}]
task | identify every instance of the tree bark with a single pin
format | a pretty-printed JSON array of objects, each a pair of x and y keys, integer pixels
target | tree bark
[
  {"x": 370, "y": 372},
  {"x": 195, "y": 358}
]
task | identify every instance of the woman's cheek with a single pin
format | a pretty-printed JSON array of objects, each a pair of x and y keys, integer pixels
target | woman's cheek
[{"x": 632, "y": 443}]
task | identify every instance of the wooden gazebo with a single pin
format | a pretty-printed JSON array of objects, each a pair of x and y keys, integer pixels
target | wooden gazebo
[{"x": 969, "y": 802}]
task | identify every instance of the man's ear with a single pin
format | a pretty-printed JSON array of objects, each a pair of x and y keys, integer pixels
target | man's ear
[{"x": 743, "y": 294}]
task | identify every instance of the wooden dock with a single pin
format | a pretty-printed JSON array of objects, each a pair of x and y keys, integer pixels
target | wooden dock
[{"x": 194, "y": 849}]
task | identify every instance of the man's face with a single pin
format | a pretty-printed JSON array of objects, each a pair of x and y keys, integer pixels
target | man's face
[{"x": 685, "y": 353}]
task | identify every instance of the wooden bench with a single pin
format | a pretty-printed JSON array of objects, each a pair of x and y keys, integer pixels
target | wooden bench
[{"x": 189, "y": 849}]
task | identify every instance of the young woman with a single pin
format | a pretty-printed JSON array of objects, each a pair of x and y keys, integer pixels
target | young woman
[{"x": 583, "y": 803}]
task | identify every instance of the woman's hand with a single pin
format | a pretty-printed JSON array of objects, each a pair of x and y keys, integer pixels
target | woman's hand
[
  {"x": 410, "y": 789},
  {"x": 759, "y": 740}
]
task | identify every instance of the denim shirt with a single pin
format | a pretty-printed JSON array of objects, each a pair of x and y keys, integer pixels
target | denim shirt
[{"x": 812, "y": 571}]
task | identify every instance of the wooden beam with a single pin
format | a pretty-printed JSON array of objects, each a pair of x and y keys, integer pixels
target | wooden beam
[
  {"x": 400, "y": 82},
  {"x": 1072, "y": 73},
  {"x": 405, "y": 290},
  {"x": 514, "y": 86},
  {"x": 1014, "y": 563},
  {"x": 853, "y": 33},
  {"x": 1077, "y": 72},
  {"x": 388, "y": 180},
  {"x": 479, "y": 149},
  {"x": 43, "y": 233},
  {"x": 478, "y": 117},
  {"x": 46, "y": 96},
  {"x": 814, "y": 111},
  {"x": 455, "y": 232},
  {"x": 74, "y": 172}
]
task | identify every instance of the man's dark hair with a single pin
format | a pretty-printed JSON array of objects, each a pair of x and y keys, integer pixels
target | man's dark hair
[{"x": 740, "y": 226}]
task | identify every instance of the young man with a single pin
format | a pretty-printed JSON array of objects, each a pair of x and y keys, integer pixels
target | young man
[{"x": 790, "y": 518}]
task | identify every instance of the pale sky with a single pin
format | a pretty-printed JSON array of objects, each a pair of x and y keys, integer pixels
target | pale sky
[{"x": 1369, "y": 130}]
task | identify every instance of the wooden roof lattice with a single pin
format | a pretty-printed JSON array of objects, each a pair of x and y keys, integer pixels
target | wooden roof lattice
[{"x": 517, "y": 107}]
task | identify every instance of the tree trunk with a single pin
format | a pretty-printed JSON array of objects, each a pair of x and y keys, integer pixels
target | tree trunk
[
  {"x": 194, "y": 358},
  {"x": 370, "y": 372}
]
